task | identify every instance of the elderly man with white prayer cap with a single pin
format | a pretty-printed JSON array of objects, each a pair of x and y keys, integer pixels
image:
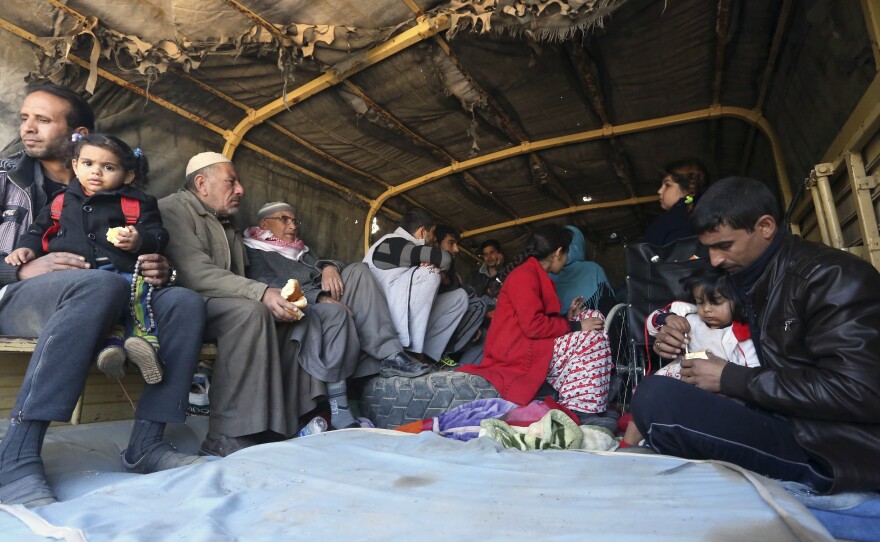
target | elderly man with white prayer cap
[
  {"x": 348, "y": 317},
  {"x": 258, "y": 390}
]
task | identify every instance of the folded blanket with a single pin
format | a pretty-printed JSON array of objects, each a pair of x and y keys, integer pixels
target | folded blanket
[
  {"x": 555, "y": 431},
  {"x": 528, "y": 414}
]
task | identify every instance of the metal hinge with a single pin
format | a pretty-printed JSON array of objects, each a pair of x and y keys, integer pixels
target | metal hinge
[{"x": 868, "y": 182}]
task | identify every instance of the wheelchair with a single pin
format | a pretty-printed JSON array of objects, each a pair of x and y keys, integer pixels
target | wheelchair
[{"x": 653, "y": 281}]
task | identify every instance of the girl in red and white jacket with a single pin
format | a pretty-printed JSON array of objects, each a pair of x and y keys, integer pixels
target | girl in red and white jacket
[{"x": 715, "y": 324}]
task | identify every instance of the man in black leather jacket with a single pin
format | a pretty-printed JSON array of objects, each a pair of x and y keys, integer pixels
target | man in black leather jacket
[{"x": 811, "y": 412}]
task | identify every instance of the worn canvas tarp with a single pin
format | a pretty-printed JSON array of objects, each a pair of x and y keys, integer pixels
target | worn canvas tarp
[{"x": 381, "y": 485}]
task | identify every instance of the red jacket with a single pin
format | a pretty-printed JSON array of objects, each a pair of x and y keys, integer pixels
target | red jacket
[{"x": 519, "y": 345}]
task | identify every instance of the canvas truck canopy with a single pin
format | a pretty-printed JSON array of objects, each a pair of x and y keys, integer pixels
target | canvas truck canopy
[
  {"x": 492, "y": 115},
  {"x": 495, "y": 116}
]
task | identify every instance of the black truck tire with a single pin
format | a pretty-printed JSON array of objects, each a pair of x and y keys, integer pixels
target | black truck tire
[{"x": 395, "y": 401}]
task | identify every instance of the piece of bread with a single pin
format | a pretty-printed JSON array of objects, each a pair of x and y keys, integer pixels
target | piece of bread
[
  {"x": 696, "y": 355},
  {"x": 113, "y": 234},
  {"x": 294, "y": 294}
]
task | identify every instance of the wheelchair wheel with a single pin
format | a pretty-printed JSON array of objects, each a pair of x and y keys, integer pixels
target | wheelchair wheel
[{"x": 628, "y": 357}]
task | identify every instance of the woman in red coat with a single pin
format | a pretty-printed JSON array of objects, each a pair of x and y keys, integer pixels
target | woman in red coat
[{"x": 530, "y": 342}]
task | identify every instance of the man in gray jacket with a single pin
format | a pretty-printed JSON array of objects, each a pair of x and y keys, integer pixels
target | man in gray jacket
[{"x": 258, "y": 386}]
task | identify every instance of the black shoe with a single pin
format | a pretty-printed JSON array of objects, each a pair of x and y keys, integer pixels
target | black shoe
[
  {"x": 402, "y": 364},
  {"x": 30, "y": 491},
  {"x": 161, "y": 457},
  {"x": 223, "y": 445}
]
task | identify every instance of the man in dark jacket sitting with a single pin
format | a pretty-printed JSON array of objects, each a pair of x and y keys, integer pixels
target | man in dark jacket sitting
[{"x": 811, "y": 412}]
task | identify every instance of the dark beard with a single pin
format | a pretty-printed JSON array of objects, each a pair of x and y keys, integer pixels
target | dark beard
[{"x": 60, "y": 150}]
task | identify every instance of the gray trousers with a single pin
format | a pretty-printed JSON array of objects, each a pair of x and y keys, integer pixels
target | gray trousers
[
  {"x": 268, "y": 374},
  {"x": 427, "y": 319},
  {"x": 446, "y": 313},
  {"x": 70, "y": 312},
  {"x": 469, "y": 324},
  {"x": 341, "y": 342},
  {"x": 369, "y": 310},
  {"x": 344, "y": 342},
  {"x": 330, "y": 348},
  {"x": 256, "y": 383},
  {"x": 433, "y": 317}
]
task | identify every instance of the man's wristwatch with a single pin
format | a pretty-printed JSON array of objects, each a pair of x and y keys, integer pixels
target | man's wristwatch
[{"x": 172, "y": 278}]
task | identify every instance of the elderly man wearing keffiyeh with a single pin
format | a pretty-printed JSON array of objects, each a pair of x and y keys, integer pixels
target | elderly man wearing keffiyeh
[{"x": 336, "y": 340}]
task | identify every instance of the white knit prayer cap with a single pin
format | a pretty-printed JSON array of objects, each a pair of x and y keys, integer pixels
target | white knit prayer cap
[
  {"x": 205, "y": 159},
  {"x": 274, "y": 207}
]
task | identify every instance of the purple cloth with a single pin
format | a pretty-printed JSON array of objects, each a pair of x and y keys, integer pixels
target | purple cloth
[{"x": 463, "y": 422}]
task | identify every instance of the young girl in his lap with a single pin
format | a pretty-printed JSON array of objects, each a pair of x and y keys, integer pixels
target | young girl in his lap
[
  {"x": 714, "y": 324},
  {"x": 108, "y": 220}
]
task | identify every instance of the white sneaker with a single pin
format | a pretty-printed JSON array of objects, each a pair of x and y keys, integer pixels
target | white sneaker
[{"x": 198, "y": 390}]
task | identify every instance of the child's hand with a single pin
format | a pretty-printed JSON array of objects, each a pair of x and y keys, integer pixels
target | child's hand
[
  {"x": 20, "y": 256},
  {"x": 128, "y": 239},
  {"x": 577, "y": 305},
  {"x": 592, "y": 324},
  {"x": 678, "y": 323}
]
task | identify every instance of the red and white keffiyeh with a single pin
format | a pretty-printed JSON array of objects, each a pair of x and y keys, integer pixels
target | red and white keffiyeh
[{"x": 259, "y": 239}]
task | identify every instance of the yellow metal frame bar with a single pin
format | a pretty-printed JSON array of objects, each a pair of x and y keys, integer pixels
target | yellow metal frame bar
[
  {"x": 820, "y": 216},
  {"x": 871, "y": 9},
  {"x": 27, "y": 36},
  {"x": 819, "y": 182},
  {"x": 753, "y": 117},
  {"x": 861, "y": 185},
  {"x": 562, "y": 212},
  {"x": 425, "y": 28},
  {"x": 862, "y": 124}
]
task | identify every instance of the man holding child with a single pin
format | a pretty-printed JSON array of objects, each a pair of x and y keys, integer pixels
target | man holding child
[
  {"x": 810, "y": 413},
  {"x": 71, "y": 308}
]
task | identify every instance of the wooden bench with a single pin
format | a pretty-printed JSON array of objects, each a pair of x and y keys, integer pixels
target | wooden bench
[{"x": 101, "y": 400}]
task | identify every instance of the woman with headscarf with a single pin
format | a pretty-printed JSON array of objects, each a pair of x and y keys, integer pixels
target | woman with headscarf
[
  {"x": 531, "y": 341},
  {"x": 582, "y": 278}
]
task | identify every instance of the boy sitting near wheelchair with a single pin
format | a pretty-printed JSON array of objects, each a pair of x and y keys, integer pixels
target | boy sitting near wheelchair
[{"x": 716, "y": 324}]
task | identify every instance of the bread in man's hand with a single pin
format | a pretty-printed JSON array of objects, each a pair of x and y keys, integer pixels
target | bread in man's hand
[
  {"x": 294, "y": 294},
  {"x": 696, "y": 355}
]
